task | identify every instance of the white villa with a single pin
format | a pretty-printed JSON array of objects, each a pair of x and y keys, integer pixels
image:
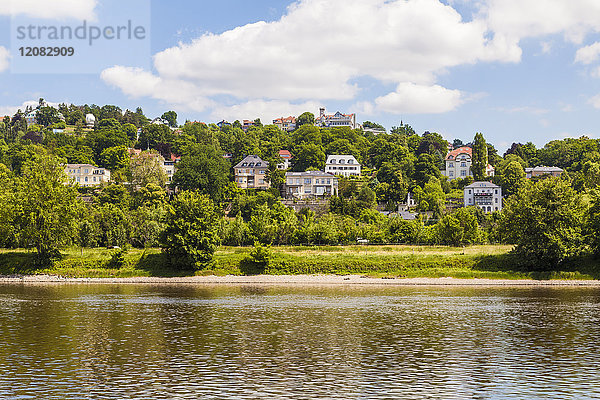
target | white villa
[
  {"x": 335, "y": 120},
  {"x": 87, "y": 175},
  {"x": 458, "y": 164},
  {"x": 345, "y": 165},
  {"x": 310, "y": 184},
  {"x": 484, "y": 195}
]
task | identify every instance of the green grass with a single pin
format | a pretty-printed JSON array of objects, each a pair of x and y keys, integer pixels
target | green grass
[{"x": 489, "y": 261}]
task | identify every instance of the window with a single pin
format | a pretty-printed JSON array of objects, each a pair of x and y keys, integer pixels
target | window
[
  {"x": 463, "y": 164},
  {"x": 450, "y": 165},
  {"x": 463, "y": 173},
  {"x": 451, "y": 173},
  {"x": 297, "y": 181},
  {"x": 469, "y": 191},
  {"x": 496, "y": 191},
  {"x": 341, "y": 161},
  {"x": 307, "y": 181},
  {"x": 470, "y": 200},
  {"x": 86, "y": 171},
  {"x": 328, "y": 181},
  {"x": 350, "y": 161},
  {"x": 333, "y": 161},
  {"x": 261, "y": 172},
  {"x": 86, "y": 178},
  {"x": 496, "y": 200}
]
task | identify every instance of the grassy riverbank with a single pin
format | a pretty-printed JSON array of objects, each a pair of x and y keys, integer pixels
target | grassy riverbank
[{"x": 490, "y": 261}]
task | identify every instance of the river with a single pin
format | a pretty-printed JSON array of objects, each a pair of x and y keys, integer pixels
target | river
[{"x": 78, "y": 341}]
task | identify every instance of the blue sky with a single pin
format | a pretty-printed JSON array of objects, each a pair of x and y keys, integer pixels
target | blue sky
[{"x": 510, "y": 69}]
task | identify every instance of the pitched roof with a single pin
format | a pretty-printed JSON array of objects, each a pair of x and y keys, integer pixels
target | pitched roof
[
  {"x": 544, "y": 169},
  {"x": 285, "y": 154},
  {"x": 461, "y": 150},
  {"x": 252, "y": 161},
  {"x": 480, "y": 184},
  {"x": 310, "y": 173}
]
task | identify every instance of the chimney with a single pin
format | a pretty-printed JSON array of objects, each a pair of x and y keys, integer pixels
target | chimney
[{"x": 321, "y": 111}]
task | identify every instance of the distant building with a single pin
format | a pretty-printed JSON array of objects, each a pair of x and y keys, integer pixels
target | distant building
[
  {"x": 301, "y": 185},
  {"x": 539, "y": 171},
  {"x": 223, "y": 123},
  {"x": 286, "y": 159},
  {"x": 375, "y": 131},
  {"x": 459, "y": 161},
  {"x": 345, "y": 165},
  {"x": 87, "y": 175},
  {"x": 484, "y": 195},
  {"x": 246, "y": 124},
  {"x": 251, "y": 173},
  {"x": 31, "y": 118},
  {"x": 90, "y": 120},
  {"x": 335, "y": 120},
  {"x": 159, "y": 121},
  {"x": 285, "y": 124}
]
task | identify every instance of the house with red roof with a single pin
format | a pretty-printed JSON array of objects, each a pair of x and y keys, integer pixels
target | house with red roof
[
  {"x": 286, "y": 157},
  {"x": 285, "y": 124},
  {"x": 459, "y": 161}
]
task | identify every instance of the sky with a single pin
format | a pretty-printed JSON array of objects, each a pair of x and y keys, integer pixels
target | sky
[{"x": 515, "y": 70}]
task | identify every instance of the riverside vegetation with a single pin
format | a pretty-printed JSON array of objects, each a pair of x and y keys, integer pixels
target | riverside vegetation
[{"x": 548, "y": 227}]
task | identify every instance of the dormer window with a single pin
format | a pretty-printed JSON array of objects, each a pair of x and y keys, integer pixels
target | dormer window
[
  {"x": 350, "y": 161},
  {"x": 333, "y": 161}
]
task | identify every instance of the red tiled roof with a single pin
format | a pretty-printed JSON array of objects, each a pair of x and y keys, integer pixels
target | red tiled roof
[
  {"x": 461, "y": 150},
  {"x": 285, "y": 154}
]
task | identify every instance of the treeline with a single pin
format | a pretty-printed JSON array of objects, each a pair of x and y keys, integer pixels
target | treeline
[{"x": 137, "y": 211}]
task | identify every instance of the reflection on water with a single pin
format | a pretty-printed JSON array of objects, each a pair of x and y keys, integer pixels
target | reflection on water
[{"x": 249, "y": 342}]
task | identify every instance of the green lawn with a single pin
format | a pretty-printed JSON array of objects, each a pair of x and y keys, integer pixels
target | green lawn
[{"x": 488, "y": 261}]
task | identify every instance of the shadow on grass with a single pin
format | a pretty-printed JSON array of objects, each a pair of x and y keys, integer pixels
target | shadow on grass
[
  {"x": 161, "y": 265},
  {"x": 249, "y": 267},
  {"x": 574, "y": 268},
  {"x": 22, "y": 263}
]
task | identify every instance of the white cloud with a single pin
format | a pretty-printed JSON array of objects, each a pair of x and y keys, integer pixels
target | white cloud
[
  {"x": 595, "y": 101},
  {"x": 11, "y": 110},
  {"x": 58, "y": 9},
  {"x": 518, "y": 19},
  {"x": 317, "y": 51},
  {"x": 4, "y": 59},
  {"x": 410, "y": 98},
  {"x": 267, "y": 111},
  {"x": 588, "y": 54}
]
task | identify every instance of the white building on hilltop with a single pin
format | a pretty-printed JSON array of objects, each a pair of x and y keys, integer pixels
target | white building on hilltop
[
  {"x": 335, "y": 120},
  {"x": 459, "y": 161},
  {"x": 484, "y": 195},
  {"x": 345, "y": 165}
]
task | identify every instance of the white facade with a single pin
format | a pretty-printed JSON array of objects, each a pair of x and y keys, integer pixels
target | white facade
[
  {"x": 87, "y": 175},
  {"x": 335, "y": 120},
  {"x": 345, "y": 165},
  {"x": 90, "y": 120},
  {"x": 310, "y": 184},
  {"x": 484, "y": 195},
  {"x": 458, "y": 163}
]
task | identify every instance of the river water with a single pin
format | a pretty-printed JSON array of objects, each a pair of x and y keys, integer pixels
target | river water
[{"x": 69, "y": 341}]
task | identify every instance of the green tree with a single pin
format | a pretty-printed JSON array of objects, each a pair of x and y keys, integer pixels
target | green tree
[
  {"x": 203, "y": 168},
  {"x": 545, "y": 222},
  {"x": 512, "y": 179},
  {"x": 146, "y": 168},
  {"x": 171, "y": 118},
  {"x": 47, "y": 207},
  {"x": 309, "y": 156},
  {"x": 114, "y": 158},
  {"x": 191, "y": 234},
  {"x": 306, "y": 118},
  {"x": 480, "y": 157},
  {"x": 47, "y": 116}
]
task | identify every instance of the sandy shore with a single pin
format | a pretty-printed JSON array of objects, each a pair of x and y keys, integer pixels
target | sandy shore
[{"x": 296, "y": 280}]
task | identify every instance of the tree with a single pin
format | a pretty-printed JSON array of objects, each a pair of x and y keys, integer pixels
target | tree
[
  {"x": 309, "y": 156},
  {"x": 47, "y": 116},
  {"x": 114, "y": 158},
  {"x": 425, "y": 169},
  {"x": 171, "y": 118},
  {"x": 146, "y": 168},
  {"x": 191, "y": 233},
  {"x": 47, "y": 207},
  {"x": 458, "y": 228},
  {"x": 480, "y": 157},
  {"x": 306, "y": 118},
  {"x": 204, "y": 169},
  {"x": 545, "y": 222},
  {"x": 512, "y": 179}
]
